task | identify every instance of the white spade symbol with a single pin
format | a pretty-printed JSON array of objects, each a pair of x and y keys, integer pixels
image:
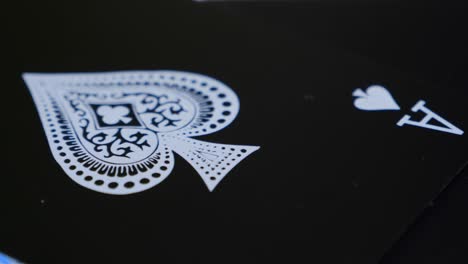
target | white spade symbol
[{"x": 375, "y": 98}]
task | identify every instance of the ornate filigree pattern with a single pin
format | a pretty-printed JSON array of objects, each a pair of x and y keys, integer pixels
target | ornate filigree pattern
[{"x": 116, "y": 132}]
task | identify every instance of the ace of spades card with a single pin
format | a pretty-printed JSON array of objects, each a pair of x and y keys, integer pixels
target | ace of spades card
[{"x": 330, "y": 183}]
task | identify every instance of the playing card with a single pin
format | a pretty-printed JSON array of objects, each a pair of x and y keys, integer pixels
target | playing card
[{"x": 337, "y": 176}]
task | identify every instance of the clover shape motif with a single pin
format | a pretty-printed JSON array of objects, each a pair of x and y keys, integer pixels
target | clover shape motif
[
  {"x": 112, "y": 115},
  {"x": 172, "y": 108}
]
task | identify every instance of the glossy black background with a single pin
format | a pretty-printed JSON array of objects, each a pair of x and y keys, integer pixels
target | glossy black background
[{"x": 330, "y": 184}]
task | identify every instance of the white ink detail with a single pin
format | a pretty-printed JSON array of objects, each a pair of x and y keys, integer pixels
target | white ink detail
[
  {"x": 375, "y": 98},
  {"x": 430, "y": 115},
  {"x": 111, "y": 115},
  {"x": 116, "y": 132}
]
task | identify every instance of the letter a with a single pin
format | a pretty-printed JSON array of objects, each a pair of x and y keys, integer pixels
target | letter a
[{"x": 419, "y": 106}]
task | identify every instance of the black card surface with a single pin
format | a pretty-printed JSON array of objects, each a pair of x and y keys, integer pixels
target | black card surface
[{"x": 340, "y": 173}]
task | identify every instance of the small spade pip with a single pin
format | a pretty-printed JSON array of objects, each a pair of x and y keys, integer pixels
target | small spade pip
[{"x": 375, "y": 98}]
